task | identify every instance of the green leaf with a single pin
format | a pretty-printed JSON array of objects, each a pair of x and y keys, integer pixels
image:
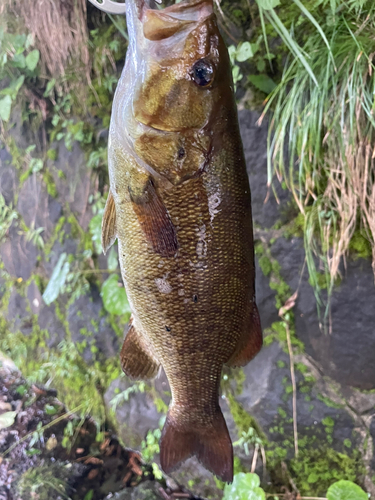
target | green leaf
[
  {"x": 244, "y": 52},
  {"x": 50, "y": 409},
  {"x": 313, "y": 477},
  {"x": 49, "y": 87},
  {"x": 89, "y": 495},
  {"x": 33, "y": 451},
  {"x": 29, "y": 40},
  {"x": 114, "y": 296},
  {"x": 291, "y": 43},
  {"x": 7, "y": 419},
  {"x": 263, "y": 83},
  {"x": 57, "y": 281},
  {"x": 13, "y": 88},
  {"x": 315, "y": 23},
  {"x": 95, "y": 226},
  {"x": 244, "y": 487},
  {"x": 18, "y": 83},
  {"x": 5, "y": 108},
  {"x": 268, "y": 4},
  {"x": 19, "y": 61},
  {"x": 32, "y": 59},
  {"x": 112, "y": 259},
  {"x": 346, "y": 490},
  {"x": 36, "y": 165}
]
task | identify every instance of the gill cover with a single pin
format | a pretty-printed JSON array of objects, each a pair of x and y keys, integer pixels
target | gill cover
[{"x": 171, "y": 93}]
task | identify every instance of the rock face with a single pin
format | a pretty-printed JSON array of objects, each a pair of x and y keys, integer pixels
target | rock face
[
  {"x": 332, "y": 370},
  {"x": 148, "y": 490}
]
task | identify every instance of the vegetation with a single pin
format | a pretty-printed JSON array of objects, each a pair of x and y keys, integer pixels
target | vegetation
[
  {"x": 323, "y": 112},
  {"x": 246, "y": 487}
]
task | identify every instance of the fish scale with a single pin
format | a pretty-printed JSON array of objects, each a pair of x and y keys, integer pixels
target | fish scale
[{"x": 185, "y": 241}]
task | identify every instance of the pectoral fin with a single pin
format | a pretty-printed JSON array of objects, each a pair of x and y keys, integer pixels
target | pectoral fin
[
  {"x": 109, "y": 230},
  {"x": 137, "y": 360},
  {"x": 154, "y": 218},
  {"x": 251, "y": 341}
]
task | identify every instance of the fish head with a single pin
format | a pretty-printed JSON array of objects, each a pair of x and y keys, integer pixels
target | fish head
[{"x": 180, "y": 64}]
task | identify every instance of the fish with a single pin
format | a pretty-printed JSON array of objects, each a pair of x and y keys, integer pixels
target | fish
[{"x": 179, "y": 205}]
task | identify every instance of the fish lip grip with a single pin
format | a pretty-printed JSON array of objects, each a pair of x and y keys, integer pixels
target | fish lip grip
[{"x": 110, "y": 7}]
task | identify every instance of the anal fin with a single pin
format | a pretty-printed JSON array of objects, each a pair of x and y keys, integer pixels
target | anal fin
[
  {"x": 250, "y": 343},
  {"x": 137, "y": 360},
  {"x": 109, "y": 230}
]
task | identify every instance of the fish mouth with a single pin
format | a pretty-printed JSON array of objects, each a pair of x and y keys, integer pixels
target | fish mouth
[
  {"x": 144, "y": 5},
  {"x": 161, "y": 23}
]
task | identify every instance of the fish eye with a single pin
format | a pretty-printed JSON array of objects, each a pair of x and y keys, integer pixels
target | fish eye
[{"x": 203, "y": 72}]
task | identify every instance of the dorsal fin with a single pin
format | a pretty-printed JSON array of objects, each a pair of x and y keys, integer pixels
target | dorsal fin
[{"x": 109, "y": 230}]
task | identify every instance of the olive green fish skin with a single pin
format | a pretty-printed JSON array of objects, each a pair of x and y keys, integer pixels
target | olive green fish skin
[{"x": 193, "y": 308}]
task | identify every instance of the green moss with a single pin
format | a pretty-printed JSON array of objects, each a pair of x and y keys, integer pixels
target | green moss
[
  {"x": 52, "y": 154},
  {"x": 58, "y": 234},
  {"x": 317, "y": 468},
  {"x": 50, "y": 183},
  {"x": 161, "y": 407},
  {"x": 328, "y": 421},
  {"x": 360, "y": 246},
  {"x": 242, "y": 419},
  {"x": 296, "y": 227},
  {"x": 45, "y": 482},
  {"x": 328, "y": 402},
  {"x": 62, "y": 317},
  {"x": 265, "y": 265},
  {"x": 281, "y": 412}
]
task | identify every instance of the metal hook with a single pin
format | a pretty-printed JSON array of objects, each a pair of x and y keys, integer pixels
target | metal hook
[{"x": 110, "y": 7}]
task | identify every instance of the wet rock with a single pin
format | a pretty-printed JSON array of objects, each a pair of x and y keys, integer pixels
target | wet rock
[
  {"x": 87, "y": 323},
  {"x": 265, "y": 213},
  {"x": 18, "y": 315},
  {"x": 372, "y": 431},
  {"x": 8, "y": 177},
  {"x": 148, "y": 490},
  {"x": 18, "y": 255},
  {"x": 72, "y": 180},
  {"x": 136, "y": 416},
  {"x": 201, "y": 480},
  {"x": 267, "y": 396},
  {"x": 347, "y": 353},
  {"x": 49, "y": 322},
  {"x": 265, "y": 298},
  {"x": 37, "y": 207},
  {"x": 68, "y": 246},
  {"x": 34, "y": 297}
]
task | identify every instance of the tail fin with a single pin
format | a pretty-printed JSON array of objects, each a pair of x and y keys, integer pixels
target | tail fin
[{"x": 211, "y": 445}]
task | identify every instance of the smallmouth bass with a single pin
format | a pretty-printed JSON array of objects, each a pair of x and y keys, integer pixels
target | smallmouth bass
[{"x": 180, "y": 207}]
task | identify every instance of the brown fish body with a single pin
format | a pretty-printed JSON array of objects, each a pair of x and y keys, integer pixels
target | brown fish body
[{"x": 180, "y": 208}]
